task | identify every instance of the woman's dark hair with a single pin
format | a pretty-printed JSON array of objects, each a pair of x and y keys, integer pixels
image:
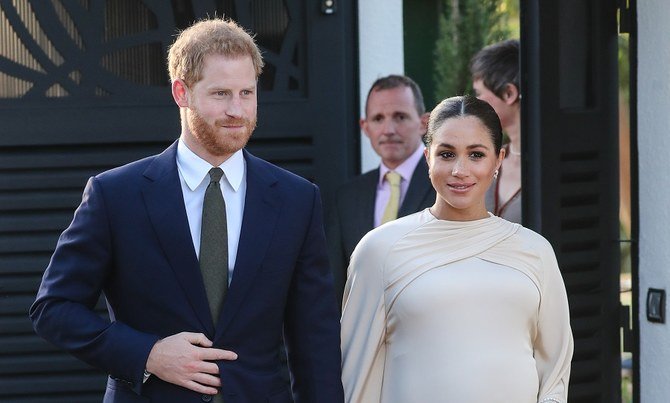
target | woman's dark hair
[
  {"x": 497, "y": 65},
  {"x": 462, "y": 106}
]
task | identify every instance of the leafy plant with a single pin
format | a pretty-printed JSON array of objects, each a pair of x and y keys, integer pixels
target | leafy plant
[{"x": 465, "y": 26}]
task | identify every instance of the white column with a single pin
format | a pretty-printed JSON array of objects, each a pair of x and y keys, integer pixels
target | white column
[
  {"x": 380, "y": 30},
  {"x": 653, "y": 109}
]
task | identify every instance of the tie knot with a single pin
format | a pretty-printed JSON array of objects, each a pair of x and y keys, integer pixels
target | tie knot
[
  {"x": 215, "y": 174},
  {"x": 393, "y": 178}
]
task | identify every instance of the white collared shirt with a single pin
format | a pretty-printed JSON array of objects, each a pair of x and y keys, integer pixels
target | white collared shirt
[
  {"x": 194, "y": 178},
  {"x": 383, "y": 193}
]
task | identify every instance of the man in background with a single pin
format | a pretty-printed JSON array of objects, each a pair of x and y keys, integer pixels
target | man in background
[{"x": 395, "y": 122}]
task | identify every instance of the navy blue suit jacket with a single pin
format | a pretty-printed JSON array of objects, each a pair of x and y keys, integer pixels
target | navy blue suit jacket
[{"x": 130, "y": 240}]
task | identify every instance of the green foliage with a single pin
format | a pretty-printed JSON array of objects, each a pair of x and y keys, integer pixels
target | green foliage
[
  {"x": 465, "y": 26},
  {"x": 624, "y": 67}
]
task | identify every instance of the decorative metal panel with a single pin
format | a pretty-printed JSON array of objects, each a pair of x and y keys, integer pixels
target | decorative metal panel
[{"x": 100, "y": 49}]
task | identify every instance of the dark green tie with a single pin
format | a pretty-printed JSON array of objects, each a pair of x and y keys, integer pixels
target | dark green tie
[{"x": 214, "y": 244}]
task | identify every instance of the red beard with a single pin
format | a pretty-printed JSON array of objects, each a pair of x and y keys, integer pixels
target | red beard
[{"x": 216, "y": 139}]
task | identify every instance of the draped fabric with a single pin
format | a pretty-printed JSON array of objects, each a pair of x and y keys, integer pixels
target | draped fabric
[{"x": 414, "y": 302}]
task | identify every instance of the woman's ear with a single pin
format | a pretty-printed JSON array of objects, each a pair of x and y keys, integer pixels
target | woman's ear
[
  {"x": 426, "y": 155},
  {"x": 511, "y": 94},
  {"x": 501, "y": 157}
]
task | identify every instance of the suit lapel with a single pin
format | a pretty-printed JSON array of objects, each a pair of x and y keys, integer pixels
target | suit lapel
[
  {"x": 419, "y": 189},
  {"x": 261, "y": 211},
  {"x": 165, "y": 205}
]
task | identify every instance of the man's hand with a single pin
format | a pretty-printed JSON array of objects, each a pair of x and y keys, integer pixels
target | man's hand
[{"x": 186, "y": 359}]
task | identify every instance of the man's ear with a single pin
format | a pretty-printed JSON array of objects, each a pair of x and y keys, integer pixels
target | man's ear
[
  {"x": 364, "y": 126},
  {"x": 511, "y": 94},
  {"x": 424, "y": 121},
  {"x": 180, "y": 93}
]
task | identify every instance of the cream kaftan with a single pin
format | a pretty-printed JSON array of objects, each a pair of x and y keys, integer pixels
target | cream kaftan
[{"x": 455, "y": 312}]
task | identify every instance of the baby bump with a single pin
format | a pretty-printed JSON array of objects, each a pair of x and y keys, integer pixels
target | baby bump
[{"x": 460, "y": 377}]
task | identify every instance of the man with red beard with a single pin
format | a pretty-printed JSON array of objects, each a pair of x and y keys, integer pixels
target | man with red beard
[{"x": 206, "y": 255}]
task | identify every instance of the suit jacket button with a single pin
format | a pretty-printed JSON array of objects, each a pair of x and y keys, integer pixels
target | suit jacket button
[{"x": 206, "y": 398}]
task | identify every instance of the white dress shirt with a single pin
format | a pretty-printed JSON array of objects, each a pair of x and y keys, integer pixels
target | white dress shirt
[
  {"x": 406, "y": 170},
  {"x": 194, "y": 178}
]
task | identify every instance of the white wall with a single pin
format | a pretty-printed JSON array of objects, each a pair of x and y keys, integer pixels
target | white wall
[
  {"x": 380, "y": 38},
  {"x": 653, "y": 110}
]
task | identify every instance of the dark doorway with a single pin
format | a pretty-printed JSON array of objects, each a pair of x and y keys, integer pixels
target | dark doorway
[{"x": 569, "y": 123}]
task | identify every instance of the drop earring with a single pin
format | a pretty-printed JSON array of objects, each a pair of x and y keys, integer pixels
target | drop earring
[{"x": 495, "y": 174}]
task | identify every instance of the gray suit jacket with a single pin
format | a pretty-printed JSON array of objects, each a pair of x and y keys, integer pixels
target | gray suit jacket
[{"x": 352, "y": 215}]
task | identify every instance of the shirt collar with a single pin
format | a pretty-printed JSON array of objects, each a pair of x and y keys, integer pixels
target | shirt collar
[
  {"x": 406, "y": 169},
  {"x": 194, "y": 169}
]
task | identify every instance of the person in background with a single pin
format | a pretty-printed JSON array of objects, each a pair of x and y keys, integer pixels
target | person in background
[
  {"x": 453, "y": 304},
  {"x": 495, "y": 79},
  {"x": 395, "y": 120},
  {"x": 205, "y": 254}
]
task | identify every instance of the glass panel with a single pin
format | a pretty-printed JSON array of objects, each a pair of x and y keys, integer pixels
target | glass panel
[{"x": 270, "y": 21}]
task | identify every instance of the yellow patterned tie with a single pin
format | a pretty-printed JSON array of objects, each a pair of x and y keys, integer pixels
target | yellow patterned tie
[{"x": 391, "y": 210}]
